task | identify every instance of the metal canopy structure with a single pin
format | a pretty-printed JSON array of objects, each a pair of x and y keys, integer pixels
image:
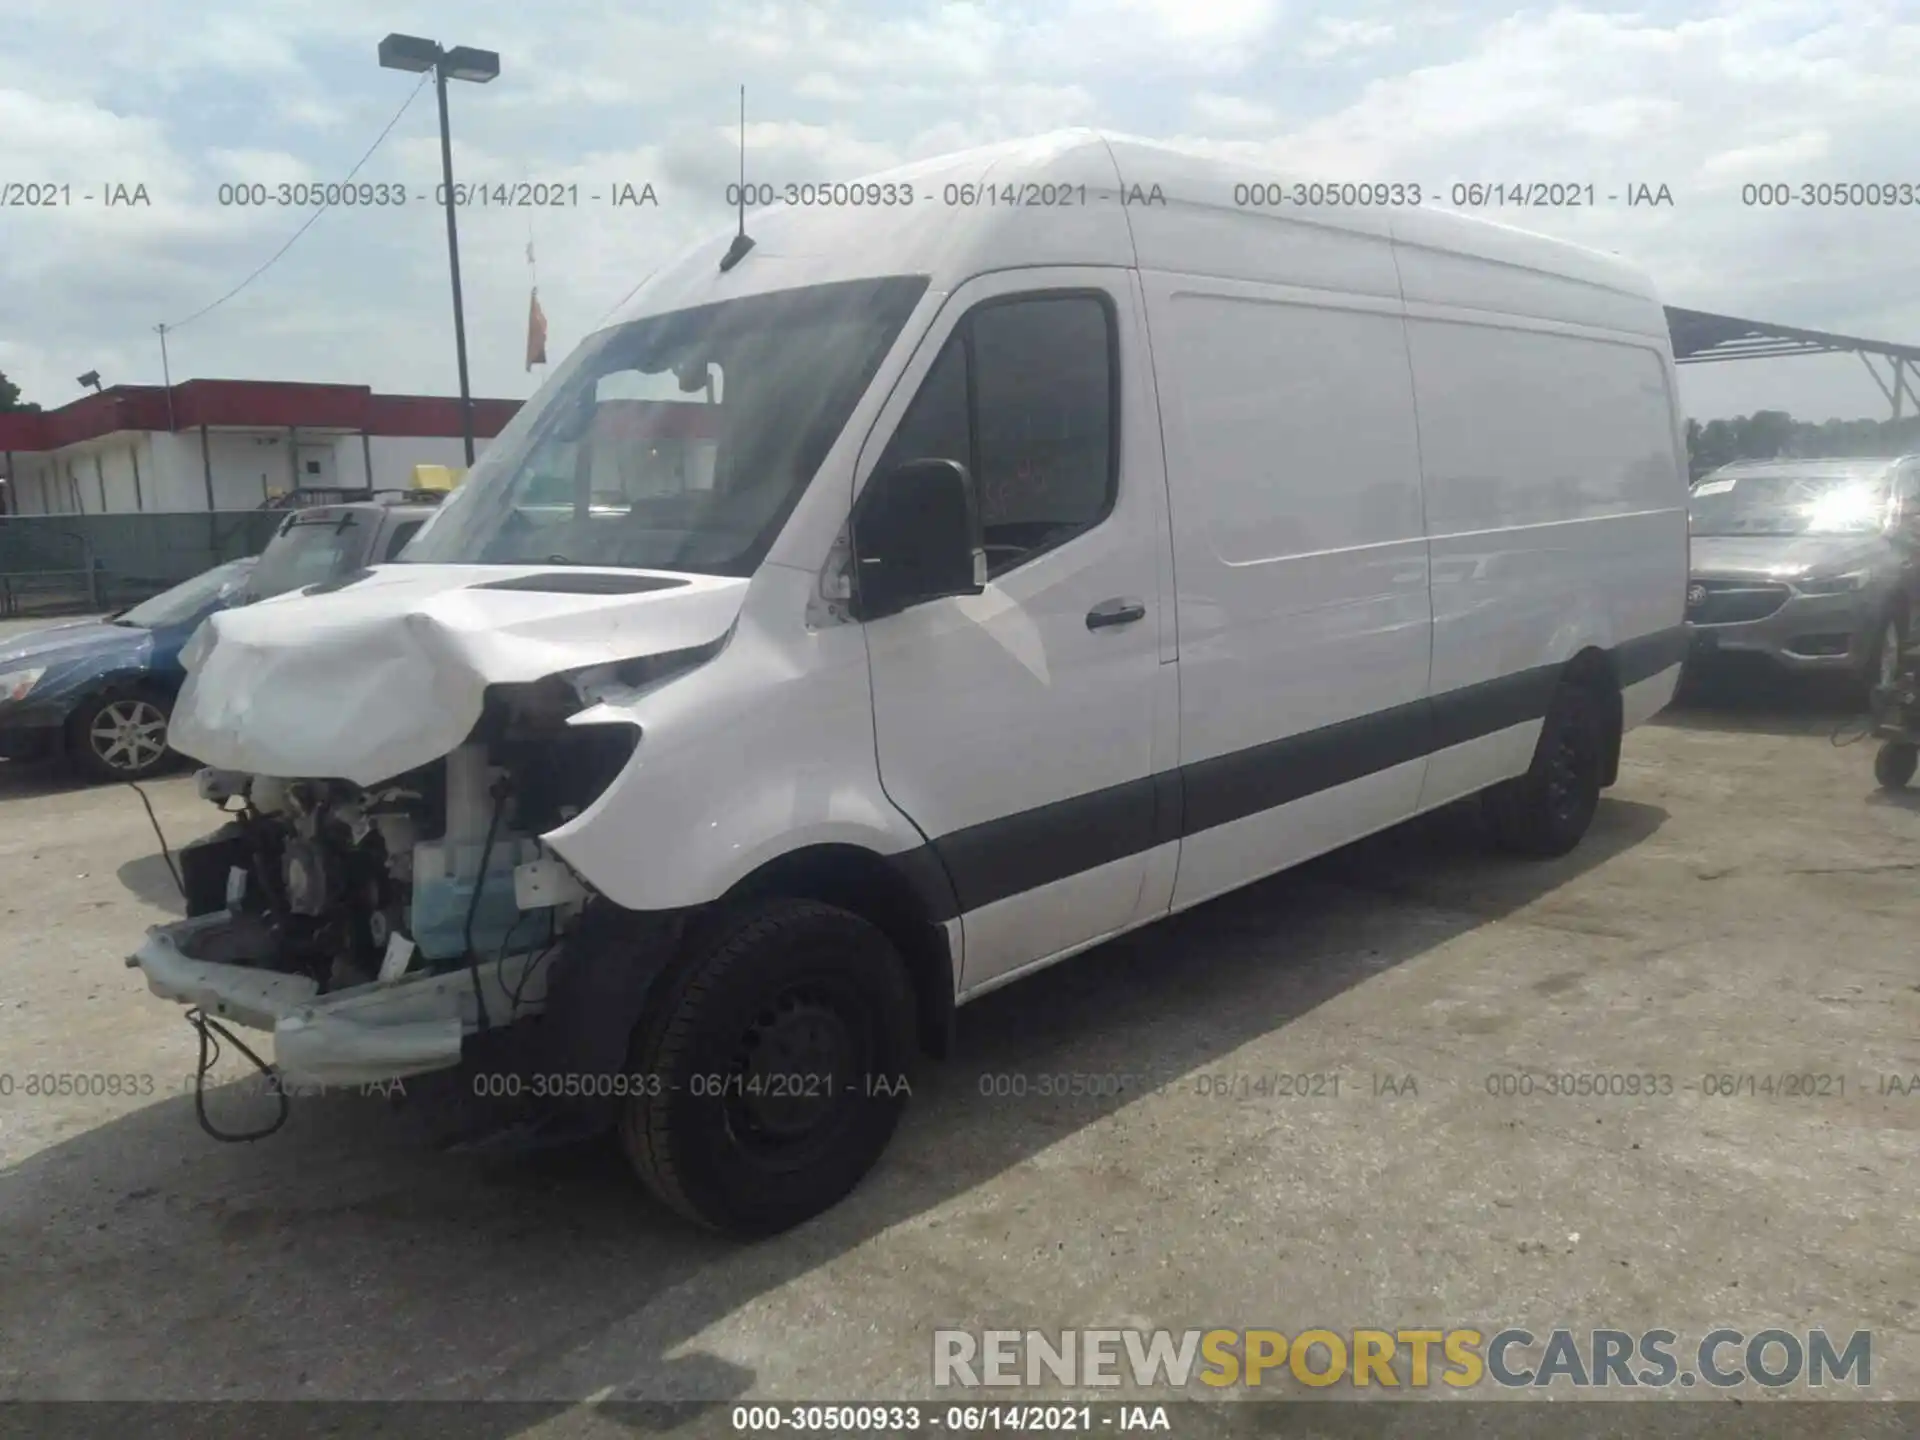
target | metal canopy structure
[{"x": 1700, "y": 337}]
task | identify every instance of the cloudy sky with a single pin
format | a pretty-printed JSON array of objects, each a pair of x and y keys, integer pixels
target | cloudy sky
[{"x": 183, "y": 96}]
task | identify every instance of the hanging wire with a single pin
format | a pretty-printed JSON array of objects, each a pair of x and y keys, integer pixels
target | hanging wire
[
  {"x": 1851, "y": 730},
  {"x": 411, "y": 96}
]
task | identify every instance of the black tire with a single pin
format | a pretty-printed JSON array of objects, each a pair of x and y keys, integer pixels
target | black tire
[
  {"x": 1545, "y": 812},
  {"x": 1893, "y": 767},
  {"x": 818, "y": 992},
  {"x": 120, "y": 735}
]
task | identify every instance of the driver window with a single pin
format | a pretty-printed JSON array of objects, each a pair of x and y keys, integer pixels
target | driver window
[
  {"x": 1022, "y": 396},
  {"x": 935, "y": 426}
]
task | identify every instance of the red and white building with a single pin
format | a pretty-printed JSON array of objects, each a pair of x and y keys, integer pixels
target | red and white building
[{"x": 226, "y": 445}]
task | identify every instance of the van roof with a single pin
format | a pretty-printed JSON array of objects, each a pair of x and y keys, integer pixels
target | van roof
[{"x": 1090, "y": 197}]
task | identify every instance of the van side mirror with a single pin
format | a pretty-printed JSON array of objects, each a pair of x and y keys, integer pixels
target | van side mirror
[{"x": 916, "y": 537}]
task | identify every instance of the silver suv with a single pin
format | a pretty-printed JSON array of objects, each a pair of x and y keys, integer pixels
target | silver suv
[{"x": 1811, "y": 563}]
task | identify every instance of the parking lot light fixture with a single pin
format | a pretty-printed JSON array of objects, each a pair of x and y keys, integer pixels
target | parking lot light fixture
[{"x": 417, "y": 55}]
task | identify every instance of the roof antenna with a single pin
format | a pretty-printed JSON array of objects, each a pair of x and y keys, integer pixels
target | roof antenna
[{"x": 742, "y": 242}]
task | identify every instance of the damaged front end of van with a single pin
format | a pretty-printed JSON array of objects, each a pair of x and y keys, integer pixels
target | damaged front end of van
[
  {"x": 579, "y": 795},
  {"x": 399, "y": 762},
  {"x": 473, "y": 795}
]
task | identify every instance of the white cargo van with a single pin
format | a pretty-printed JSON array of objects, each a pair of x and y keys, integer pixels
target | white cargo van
[{"x": 1032, "y": 546}]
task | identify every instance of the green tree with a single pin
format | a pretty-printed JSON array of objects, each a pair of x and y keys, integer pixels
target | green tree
[
  {"x": 10, "y": 396},
  {"x": 1774, "y": 434}
]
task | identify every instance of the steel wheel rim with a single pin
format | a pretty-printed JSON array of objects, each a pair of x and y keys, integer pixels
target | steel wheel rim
[
  {"x": 128, "y": 734},
  {"x": 1566, "y": 775},
  {"x": 1890, "y": 654},
  {"x": 839, "y": 1045}
]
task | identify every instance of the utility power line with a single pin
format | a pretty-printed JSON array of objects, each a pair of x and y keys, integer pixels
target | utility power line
[{"x": 310, "y": 219}]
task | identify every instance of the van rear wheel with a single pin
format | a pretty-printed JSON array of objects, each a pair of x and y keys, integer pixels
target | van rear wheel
[
  {"x": 1545, "y": 812},
  {"x": 774, "y": 1071}
]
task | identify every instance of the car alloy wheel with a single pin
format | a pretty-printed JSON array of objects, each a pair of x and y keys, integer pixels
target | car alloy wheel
[{"x": 128, "y": 736}]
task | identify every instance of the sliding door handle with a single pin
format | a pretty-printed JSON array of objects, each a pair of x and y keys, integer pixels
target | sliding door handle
[{"x": 1115, "y": 612}]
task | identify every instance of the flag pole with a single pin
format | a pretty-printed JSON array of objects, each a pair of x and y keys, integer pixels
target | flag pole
[
  {"x": 536, "y": 317},
  {"x": 533, "y": 304}
]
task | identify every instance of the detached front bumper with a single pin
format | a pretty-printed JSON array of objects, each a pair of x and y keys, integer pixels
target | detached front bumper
[{"x": 358, "y": 1036}]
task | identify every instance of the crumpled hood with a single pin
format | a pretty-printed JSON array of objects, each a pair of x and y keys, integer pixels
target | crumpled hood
[
  {"x": 1782, "y": 556},
  {"x": 380, "y": 674}
]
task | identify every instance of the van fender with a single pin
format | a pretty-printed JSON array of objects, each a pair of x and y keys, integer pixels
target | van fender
[
  {"x": 1576, "y": 633},
  {"x": 1585, "y": 650},
  {"x": 723, "y": 841},
  {"x": 763, "y": 751},
  {"x": 766, "y": 748}
]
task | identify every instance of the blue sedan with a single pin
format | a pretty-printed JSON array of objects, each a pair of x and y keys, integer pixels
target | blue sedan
[{"x": 99, "y": 691}]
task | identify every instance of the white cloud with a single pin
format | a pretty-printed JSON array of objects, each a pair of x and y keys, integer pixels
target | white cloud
[
  {"x": 317, "y": 112},
  {"x": 1333, "y": 37},
  {"x": 1793, "y": 153},
  {"x": 55, "y": 137},
  {"x": 819, "y": 85},
  {"x": 1802, "y": 92},
  {"x": 1205, "y": 22},
  {"x": 1231, "y": 114},
  {"x": 72, "y": 254},
  {"x": 1703, "y": 97},
  {"x": 267, "y": 167}
]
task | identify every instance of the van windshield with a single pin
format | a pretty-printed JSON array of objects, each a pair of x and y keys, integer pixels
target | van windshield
[
  {"x": 1790, "y": 503},
  {"x": 679, "y": 441}
]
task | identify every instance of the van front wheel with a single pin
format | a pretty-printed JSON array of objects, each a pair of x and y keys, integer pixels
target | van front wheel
[
  {"x": 1545, "y": 812},
  {"x": 771, "y": 1076}
]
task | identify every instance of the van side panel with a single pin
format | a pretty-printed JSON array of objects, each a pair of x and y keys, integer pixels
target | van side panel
[
  {"x": 1556, "y": 515},
  {"x": 1448, "y": 259},
  {"x": 1300, "y": 567}
]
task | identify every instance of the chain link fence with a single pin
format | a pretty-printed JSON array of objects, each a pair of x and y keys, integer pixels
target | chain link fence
[{"x": 66, "y": 564}]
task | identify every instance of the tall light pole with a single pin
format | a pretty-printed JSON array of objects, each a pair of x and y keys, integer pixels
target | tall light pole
[{"x": 458, "y": 62}]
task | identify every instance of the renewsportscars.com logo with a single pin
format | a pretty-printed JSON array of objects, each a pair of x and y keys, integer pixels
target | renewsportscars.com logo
[{"x": 1411, "y": 1358}]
